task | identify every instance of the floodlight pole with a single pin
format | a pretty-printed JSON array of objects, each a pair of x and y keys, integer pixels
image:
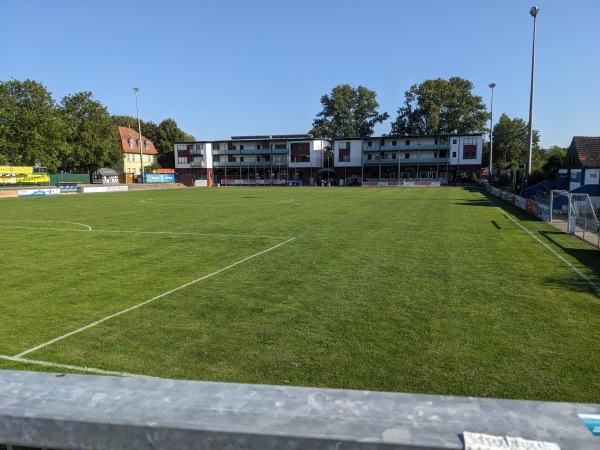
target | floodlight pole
[
  {"x": 534, "y": 12},
  {"x": 137, "y": 111},
  {"x": 492, "y": 86}
]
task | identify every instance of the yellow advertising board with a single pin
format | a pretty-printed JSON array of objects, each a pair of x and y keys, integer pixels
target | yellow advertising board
[
  {"x": 15, "y": 170},
  {"x": 34, "y": 178}
]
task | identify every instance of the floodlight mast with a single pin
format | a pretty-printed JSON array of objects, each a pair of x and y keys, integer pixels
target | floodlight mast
[
  {"x": 534, "y": 12},
  {"x": 492, "y": 86},
  {"x": 137, "y": 111}
]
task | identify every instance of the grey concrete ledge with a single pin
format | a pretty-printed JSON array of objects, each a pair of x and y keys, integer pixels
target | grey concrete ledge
[{"x": 84, "y": 412}]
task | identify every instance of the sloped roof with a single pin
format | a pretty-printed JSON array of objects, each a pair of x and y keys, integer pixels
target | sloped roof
[
  {"x": 586, "y": 150},
  {"x": 107, "y": 172},
  {"x": 126, "y": 133}
]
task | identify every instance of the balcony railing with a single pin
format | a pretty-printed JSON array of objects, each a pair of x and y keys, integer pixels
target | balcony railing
[
  {"x": 198, "y": 164},
  {"x": 250, "y": 163},
  {"x": 403, "y": 161},
  {"x": 399, "y": 148},
  {"x": 264, "y": 151},
  {"x": 45, "y": 410}
]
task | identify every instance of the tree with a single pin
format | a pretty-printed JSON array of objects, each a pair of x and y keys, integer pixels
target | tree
[
  {"x": 91, "y": 135},
  {"x": 348, "y": 112},
  {"x": 31, "y": 130},
  {"x": 167, "y": 134},
  {"x": 441, "y": 107},
  {"x": 511, "y": 139},
  {"x": 553, "y": 160}
]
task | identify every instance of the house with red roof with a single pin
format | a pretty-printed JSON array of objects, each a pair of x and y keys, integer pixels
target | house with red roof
[
  {"x": 581, "y": 168},
  {"x": 136, "y": 151}
]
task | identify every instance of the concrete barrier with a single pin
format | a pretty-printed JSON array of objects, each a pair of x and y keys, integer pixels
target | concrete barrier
[{"x": 83, "y": 411}]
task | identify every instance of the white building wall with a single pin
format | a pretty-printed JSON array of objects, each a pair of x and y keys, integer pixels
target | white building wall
[
  {"x": 592, "y": 176},
  {"x": 356, "y": 153}
]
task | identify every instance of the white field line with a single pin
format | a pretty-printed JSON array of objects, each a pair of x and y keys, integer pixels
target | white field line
[
  {"x": 594, "y": 286},
  {"x": 71, "y": 367},
  {"x": 174, "y": 233},
  {"x": 164, "y": 294}
]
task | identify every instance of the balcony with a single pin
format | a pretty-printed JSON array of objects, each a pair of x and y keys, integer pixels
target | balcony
[
  {"x": 198, "y": 152},
  {"x": 198, "y": 164},
  {"x": 402, "y": 161},
  {"x": 400, "y": 148},
  {"x": 242, "y": 164}
]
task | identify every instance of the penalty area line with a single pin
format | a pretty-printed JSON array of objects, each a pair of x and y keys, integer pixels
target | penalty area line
[
  {"x": 164, "y": 294},
  {"x": 72, "y": 367}
]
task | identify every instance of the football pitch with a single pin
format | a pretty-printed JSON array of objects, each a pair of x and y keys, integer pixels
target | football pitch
[{"x": 428, "y": 290}]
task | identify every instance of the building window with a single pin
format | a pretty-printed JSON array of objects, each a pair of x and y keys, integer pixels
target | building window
[
  {"x": 344, "y": 153},
  {"x": 454, "y": 141},
  {"x": 241, "y": 147},
  {"x": 369, "y": 156},
  {"x": 131, "y": 143},
  {"x": 370, "y": 144},
  {"x": 241, "y": 159},
  {"x": 454, "y": 154},
  {"x": 280, "y": 147},
  {"x": 469, "y": 148},
  {"x": 407, "y": 142},
  {"x": 257, "y": 146},
  {"x": 182, "y": 160},
  {"x": 300, "y": 152},
  {"x": 147, "y": 145},
  {"x": 393, "y": 156},
  {"x": 394, "y": 143},
  {"x": 216, "y": 158},
  {"x": 406, "y": 155}
]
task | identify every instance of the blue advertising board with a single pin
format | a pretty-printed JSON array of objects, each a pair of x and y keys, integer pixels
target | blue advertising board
[{"x": 160, "y": 178}]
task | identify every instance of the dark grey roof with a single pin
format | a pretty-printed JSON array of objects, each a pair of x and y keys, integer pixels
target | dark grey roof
[
  {"x": 105, "y": 172},
  {"x": 586, "y": 150}
]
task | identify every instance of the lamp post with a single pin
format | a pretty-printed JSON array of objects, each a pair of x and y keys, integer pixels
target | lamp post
[
  {"x": 492, "y": 86},
  {"x": 137, "y": 111},
  {"x": 534, "y": 12}
]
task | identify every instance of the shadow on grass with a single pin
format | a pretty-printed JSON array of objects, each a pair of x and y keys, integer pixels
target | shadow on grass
[{"x": 588, "y": 257}]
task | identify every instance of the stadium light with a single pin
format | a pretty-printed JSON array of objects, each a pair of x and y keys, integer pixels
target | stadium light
[
  {"x": 491, "y": 86},
  {"x": 137, "y": 112},
  {"x": 534, "y": 12}
]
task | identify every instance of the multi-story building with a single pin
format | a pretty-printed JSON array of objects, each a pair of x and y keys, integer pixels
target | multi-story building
[
  {"x": 133, "y": 156},
  {"x": 397, "y": 158},
  {"x": 272, "y": 159}
]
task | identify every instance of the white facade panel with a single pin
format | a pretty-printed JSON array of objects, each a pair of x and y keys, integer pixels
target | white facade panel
[{"x": 592, "y": 176}]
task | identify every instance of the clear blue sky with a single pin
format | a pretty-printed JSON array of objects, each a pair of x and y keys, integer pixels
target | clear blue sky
[{"x": 236, "y": 67}]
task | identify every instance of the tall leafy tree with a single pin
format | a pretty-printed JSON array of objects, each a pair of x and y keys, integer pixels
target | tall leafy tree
[
  {"x": 169, "y": 133},
  {"x": 91, "y": 134},
  {"x": 441, "y": 107},
  {"x": 31, "y": 128},
  {"x": 511, "y": 139},
  {"x": 552, "y": 161},
  {"x": 348, "y": 112}
]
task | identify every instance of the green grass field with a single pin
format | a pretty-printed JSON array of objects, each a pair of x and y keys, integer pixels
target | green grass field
[{"x": 432, "y": 290}]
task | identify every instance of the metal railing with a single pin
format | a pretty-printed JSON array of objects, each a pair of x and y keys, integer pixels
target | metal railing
[
  {"x": 65, "y": 411},
  {"x": 404, "y": 161},
  {"x": 422, "y": 146}
]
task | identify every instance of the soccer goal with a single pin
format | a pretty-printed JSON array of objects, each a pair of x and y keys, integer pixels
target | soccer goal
[{"x": 577, "y": 211}]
